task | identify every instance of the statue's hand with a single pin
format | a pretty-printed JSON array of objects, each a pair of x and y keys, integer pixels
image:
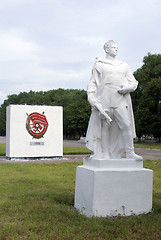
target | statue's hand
[
  {"x": 123, "y": 90},
  {"x": 102, "y": 113}
]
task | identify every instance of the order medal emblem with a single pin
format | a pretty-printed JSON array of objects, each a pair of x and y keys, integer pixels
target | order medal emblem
[{"x": 36, "y": 124}]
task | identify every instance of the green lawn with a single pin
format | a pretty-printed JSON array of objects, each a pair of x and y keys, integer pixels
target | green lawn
[
  {"x": 36, "y": 202},
  {"x": 2, "y": 149},
  {"x": 148, "y": 145},
  {"x": 75, "y": 150},
  {"x": 66, "y": 150}
]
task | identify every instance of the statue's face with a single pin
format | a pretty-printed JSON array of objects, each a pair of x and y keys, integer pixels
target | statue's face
[{"x": 112, "y": 49}]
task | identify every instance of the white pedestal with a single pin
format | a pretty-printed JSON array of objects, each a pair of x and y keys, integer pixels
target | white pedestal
[{"x": 113, "y": 187}]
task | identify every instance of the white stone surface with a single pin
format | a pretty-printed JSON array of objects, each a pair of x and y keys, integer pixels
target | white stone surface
[
  {"x": 111, "y": 127},
  {"x": 113, "y": 163},
  {"x": 106, "y": 184},
  {"x": 103, "y": 191},
  {"x": 20, "y": 144}
]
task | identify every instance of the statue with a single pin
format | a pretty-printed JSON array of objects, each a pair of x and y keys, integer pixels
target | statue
[{"x": 111, "y": 127}]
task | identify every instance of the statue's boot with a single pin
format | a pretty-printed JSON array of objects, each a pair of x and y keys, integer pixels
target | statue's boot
[
  {"x": 129, "y": 147},
  {"x": 105, "y": 154},
  {"x": 133, "y": 155}
]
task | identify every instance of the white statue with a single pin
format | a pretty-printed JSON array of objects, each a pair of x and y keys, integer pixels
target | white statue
[{"x": 111, "y": 127}]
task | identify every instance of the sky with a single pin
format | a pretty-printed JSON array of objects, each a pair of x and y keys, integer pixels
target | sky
[{"x": 50, "y": 44}]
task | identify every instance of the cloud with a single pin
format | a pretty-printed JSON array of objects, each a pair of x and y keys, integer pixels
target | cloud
[
  {"x": 11, "y": 3},
  {"x": 53, "y": 43},
  {"x": 14, "y": 47},
  {"x": 25, "y": 66}
]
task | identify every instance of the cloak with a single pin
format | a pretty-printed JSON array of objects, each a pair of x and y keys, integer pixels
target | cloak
[{"x": 100, "y": 78}]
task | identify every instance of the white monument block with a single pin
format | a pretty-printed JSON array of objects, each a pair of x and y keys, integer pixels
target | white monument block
[
  {"x": 113, "y": 187},
  {"x": 34, "y": 131}
]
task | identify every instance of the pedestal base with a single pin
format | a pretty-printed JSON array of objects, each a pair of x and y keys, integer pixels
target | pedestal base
[{"x": 103, "y": 190}]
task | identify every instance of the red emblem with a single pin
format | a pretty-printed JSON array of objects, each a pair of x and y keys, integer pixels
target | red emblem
[{"x": 36, "y": 124}]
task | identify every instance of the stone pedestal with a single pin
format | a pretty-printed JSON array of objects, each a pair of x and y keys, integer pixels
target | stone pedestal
[{"x": 113, "y": 187}]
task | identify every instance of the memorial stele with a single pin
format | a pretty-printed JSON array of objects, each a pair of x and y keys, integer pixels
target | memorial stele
[
  {"x": 106, "y": 183},
  {"x": 34, "y": 132}
]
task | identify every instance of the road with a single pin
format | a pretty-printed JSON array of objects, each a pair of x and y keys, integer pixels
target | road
[{"x": 152, "y": 154}]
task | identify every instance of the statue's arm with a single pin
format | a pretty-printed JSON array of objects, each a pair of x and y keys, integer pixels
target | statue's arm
[
  {"x": 92, "y": 86},
  {"x": 131, "y": 84}
]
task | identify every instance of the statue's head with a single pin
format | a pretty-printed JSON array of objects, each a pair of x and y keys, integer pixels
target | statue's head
[{"x": 111, "y": 44}]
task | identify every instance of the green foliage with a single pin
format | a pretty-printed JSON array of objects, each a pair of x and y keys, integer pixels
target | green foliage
[
  {"x": 76, "y": 116},
  {"x": 148, "y": 113},
  {"x": 76, "y": 109},
  {"x": 150, "y": 69},
  {"x": 147, "y": 97},
  {"x": 37, "y": 202}
]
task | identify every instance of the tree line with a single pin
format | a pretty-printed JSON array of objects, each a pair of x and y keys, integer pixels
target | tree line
[{"x": 76, "y": 109}]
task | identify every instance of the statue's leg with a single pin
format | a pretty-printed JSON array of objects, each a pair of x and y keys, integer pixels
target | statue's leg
[
  {"x": 97, "y": 149},
  {"x": 105, "y": 141},
  {"x": 122, "y": 118},
  {"x": 129, "y": 145}
]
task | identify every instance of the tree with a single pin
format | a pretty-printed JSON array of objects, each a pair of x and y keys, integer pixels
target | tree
[
  {"x": 147, "y": 97},
  {"x": 148, "y": 113},
  {"x": 151, "y": 69},
  {"x": 76, "y": 117}
]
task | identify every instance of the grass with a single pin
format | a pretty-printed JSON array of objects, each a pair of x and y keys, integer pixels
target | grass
[
  {"x": 2, "y": 149},
  {"x": 66, "y": 150},
  {"x": 37, "y": 203},
  {"x": 148, "y": 145},
  {"x": 77, "y": 150}
]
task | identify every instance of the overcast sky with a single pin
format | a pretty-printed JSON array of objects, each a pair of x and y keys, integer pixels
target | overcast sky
[{"x": 50, "y": 44}]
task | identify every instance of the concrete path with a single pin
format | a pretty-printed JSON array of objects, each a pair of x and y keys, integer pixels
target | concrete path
[
  {"x": 2, "y": 139},
  {"x": 152, "y": 154}
]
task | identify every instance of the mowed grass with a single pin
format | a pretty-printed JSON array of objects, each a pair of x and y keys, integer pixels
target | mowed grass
[
  {"x": 2, "y": 149},
  {"x": 66, "y": 150},
  {"x": 37, "y": 202},
  {"x": 75, "y": 150},
  {"x": 148, "y": 145}
]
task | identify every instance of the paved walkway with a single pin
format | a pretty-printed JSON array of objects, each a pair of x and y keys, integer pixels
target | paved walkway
[
  {"x": 152, "y": 154},
  {"x": 2, "y": 139}
]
